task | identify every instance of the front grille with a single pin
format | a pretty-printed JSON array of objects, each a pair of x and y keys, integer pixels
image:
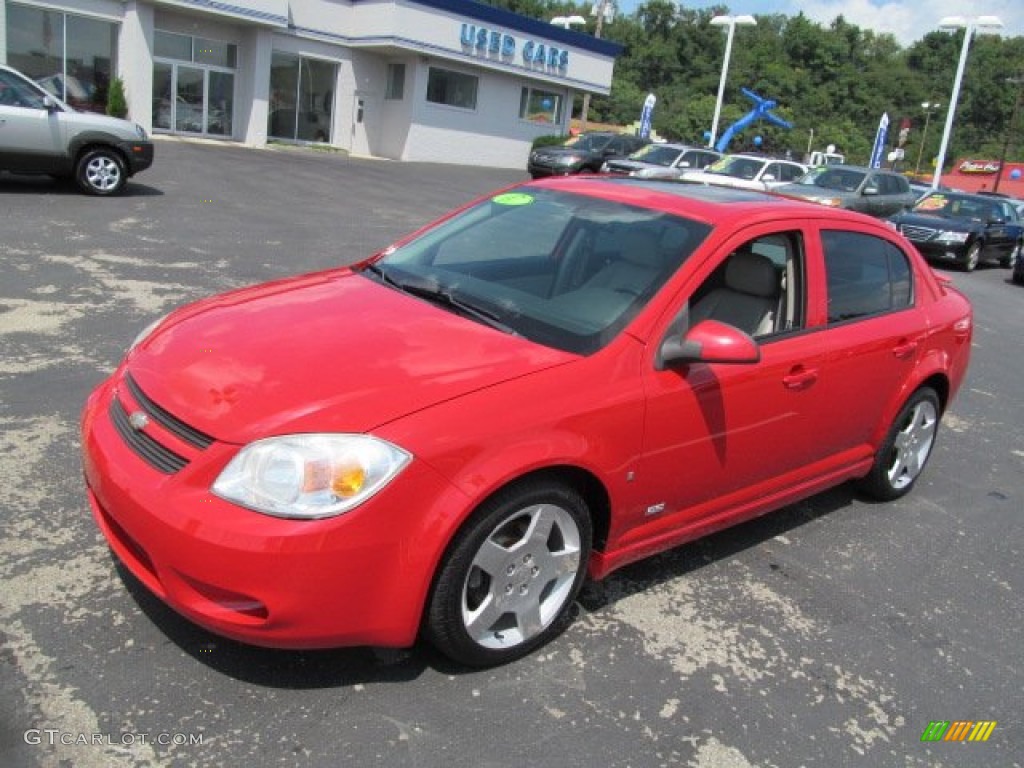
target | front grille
[
  {"x": 168, "y": 421},
  {"x": 149, "y": 450},
  {"x": 917, "y": 233}
]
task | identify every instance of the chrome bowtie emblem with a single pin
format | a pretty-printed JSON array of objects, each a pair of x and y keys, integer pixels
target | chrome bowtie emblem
[{"x": 138, "y": 421}]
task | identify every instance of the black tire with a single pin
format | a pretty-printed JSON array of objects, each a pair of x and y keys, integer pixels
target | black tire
[
  {"x": 101, "y": 171},
  {"x": 508, "y": 582},
  {"x": 973, "y": 256},
  {"x": 906, "y": 448},
  {"x": 1010, "y": 260}
]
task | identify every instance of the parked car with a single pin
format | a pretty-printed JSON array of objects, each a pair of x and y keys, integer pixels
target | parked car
[
  {"x": 874, "y": 191},
  {"x": 586, "y": 154},
  {"x": 661, "y": 161},
  {"x": 450, "y": 438},
  {"x": 964, "y": 229},
  {"x": 39, "y": 133},
  {"x": 748, "y": 172}
]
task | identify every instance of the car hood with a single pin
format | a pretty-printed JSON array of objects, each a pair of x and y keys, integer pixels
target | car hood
[
  {"x": 115, "y": 125},
  {"x": 330, "y": 352},
  {"x": 936, "y": 221},
  {"x": 562, "y": 151}
]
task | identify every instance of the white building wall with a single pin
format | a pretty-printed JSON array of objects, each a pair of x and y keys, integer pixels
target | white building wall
[{"x": 135, "y": 61}]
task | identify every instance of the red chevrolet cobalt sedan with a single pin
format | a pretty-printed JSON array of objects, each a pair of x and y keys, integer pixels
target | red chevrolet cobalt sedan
[{"x": 554, "y": 381}]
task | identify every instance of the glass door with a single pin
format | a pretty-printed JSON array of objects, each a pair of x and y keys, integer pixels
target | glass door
[{"x": 190, "y": 99}]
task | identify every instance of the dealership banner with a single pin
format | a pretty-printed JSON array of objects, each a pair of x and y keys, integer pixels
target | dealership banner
[{"x": 878, "y": 150}]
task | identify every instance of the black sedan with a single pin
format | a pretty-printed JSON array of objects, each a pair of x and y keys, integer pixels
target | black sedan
[
  {"x": 963, "y": 229},
  {"x": 584, "y": 155}
]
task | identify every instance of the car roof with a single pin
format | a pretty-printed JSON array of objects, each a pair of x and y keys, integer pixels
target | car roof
[{"x": 704, "y": 202}]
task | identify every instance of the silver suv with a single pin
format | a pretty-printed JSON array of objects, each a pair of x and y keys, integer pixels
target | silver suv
[{"x": 41, "y": 134}]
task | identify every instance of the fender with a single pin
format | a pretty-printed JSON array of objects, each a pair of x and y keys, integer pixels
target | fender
[
  {"x": 92, "y": 138},
  {"x": 933, "y": 362}
]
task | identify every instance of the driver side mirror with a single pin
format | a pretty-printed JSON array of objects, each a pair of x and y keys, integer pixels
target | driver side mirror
[
  {"x": 49, "y": 104},
  {"x": 709, "y": 341}
]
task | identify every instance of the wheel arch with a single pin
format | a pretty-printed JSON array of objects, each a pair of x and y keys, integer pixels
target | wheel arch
[
  {"x": 86, "y": 142},
  {"x": 937, "y": 379}
]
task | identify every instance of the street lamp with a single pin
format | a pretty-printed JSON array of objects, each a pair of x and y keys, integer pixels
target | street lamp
[
  {"x": 980, "y": 25},
  {"x": 927, "y": 106},
  {"x": 565, "y": 22},
  {"x": 731, "y": 22},
  {"x": 604, "y": 11}
]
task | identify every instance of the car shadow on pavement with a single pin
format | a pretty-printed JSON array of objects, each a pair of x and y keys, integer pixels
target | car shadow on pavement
[
  {"x": 32, "y": 184},
  {"x": 337, "y": 668}
]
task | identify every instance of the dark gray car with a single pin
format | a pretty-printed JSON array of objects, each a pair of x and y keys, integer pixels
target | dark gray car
[{"x": 873, "y": 191}]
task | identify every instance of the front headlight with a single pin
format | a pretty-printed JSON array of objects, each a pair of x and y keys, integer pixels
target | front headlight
[
  {"x": 140, "y": 131},
  {"x": 952, "y": 237},
  {"x": 309, "y": 476}
]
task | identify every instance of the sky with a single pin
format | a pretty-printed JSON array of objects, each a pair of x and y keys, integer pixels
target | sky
[{"x": 907, "y": 20}]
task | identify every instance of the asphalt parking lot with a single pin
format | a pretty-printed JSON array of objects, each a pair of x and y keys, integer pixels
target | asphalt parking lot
[{"x": 830, "y": 633}]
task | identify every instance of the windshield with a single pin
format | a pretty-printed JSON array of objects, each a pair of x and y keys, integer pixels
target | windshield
[
  {"x": 842, "y": 179},
  {"x": 565, "y": 270},
  {"x": 957, "y": 206},
  {"x": 738, "y": 167},
  {"x": 656, "y": 154}
]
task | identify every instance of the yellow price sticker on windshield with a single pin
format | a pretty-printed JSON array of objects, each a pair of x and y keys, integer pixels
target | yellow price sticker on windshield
[{"x": 513, "y": 198}]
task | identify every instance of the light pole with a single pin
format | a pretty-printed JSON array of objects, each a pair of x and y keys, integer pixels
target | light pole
[
  {"x": 927, "y": 106},
  {"x": 731, "y": 22},
  {"x": 1009, "y": 128},
  {"x": 981, "y": 25},
  {"x": 603, "y": 10}
]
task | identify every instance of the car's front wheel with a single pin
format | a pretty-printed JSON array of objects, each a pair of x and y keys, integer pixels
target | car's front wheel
[
  {"x": 903, "y": 455},
  {"x": 101, "y": 171},
  {"x": 973, "y": 256},
  {"x": 509, "y": 578},
  {"x": 1010, "y": 260}
]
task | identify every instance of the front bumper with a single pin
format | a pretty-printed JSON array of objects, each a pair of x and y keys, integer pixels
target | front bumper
[
  {"x": 138, "y": 154},
  {"x": 357, "y": 579}
]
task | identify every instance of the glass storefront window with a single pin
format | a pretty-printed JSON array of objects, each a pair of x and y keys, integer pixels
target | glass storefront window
[
  {"x": 215, "y": 52},
  {"x": 189, "y": 94},
  {"x": 540, "y": 106},
  {"x": 71, "y": 56},
  {"x": 168, "y": 45},
  {"x": 301, "y": 98},
  {"x": 454, "y": 89}
]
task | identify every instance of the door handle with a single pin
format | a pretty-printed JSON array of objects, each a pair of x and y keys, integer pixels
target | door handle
[
  {"x": 905, "y": 349},
  {"x": 800, "y": 377}
]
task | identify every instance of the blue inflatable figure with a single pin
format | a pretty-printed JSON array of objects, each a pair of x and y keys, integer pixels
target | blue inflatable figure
[{"x": 762, "y": 111}]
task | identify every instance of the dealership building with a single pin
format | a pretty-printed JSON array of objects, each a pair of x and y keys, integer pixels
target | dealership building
[{"x": 436, "y": 80}]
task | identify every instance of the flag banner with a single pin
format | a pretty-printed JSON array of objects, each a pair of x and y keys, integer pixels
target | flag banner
[{"x": 878, "y": 150}]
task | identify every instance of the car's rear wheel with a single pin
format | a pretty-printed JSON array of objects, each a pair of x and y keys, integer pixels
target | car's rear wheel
[
  {"x": 972, "y": 257},
  {"x": 907, "y": 446},
  {"x": 101, "y": 171},
  {"x": 1010, "y": 260},
  {"x": 509, "y": 579}
]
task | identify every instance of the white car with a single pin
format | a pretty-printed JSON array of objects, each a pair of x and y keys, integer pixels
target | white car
[
  {"x": 665, "y": 161},
  {"x": 748, "y": 172}
]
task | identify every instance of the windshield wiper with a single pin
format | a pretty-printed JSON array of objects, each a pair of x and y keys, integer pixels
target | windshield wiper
[{"x": 432, "y": 291}]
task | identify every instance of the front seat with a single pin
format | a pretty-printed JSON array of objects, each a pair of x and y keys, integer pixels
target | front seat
[
  {"x": 634, "y": 268},
  {"x": 748, "y": 300}
]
